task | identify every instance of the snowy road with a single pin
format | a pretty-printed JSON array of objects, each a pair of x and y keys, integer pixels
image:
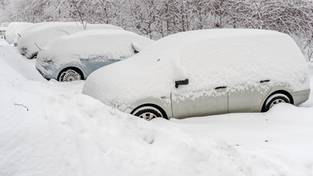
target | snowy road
[{"x": 50, "y": 128}]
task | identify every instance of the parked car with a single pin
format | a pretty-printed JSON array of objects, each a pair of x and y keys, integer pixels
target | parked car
[
  {"x": 14, "y": 29},
  {"x": 76, "y": 56},
  {"x": 205, "y": 72},
  {"x": 33, "y": 40}
]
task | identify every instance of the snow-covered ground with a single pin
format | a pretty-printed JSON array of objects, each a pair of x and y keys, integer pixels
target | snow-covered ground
[{"x": 50, "y": 128}]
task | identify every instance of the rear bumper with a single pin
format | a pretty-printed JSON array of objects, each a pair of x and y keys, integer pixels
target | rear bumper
[{"x": 300, "y": 97}]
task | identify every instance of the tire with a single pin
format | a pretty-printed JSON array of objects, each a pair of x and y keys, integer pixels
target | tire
[
  {"x": 149, "y": 113},
  {"x": 70, "y": 74},
  {"x": 275, "y": 99}
]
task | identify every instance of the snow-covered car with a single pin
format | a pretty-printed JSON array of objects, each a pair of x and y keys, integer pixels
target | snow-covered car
[
  {"x": 205, "y": 72},
  {"x": 14, "y": 29},
  {"x": 33, "y": 40},
  {"x": 76, "y": 56}
]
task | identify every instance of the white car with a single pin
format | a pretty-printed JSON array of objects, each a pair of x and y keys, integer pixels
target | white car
[
  {"x": 33, "y": 40},
  {"x": 74, "y": 57},
  {"x": 206, "y": 72},
  {"x": 14, "y": 29}
]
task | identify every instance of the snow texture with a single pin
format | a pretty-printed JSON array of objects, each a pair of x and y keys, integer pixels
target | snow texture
[{"x": 51, "y": 129}]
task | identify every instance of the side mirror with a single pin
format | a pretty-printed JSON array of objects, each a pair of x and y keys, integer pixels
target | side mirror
[{"x": 181, "y": 83}]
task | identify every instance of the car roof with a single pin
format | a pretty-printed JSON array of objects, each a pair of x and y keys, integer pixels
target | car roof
[{"x": 200, "y": 35}]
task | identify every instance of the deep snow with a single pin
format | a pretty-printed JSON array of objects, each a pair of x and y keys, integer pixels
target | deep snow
[{"x": 50, "y": 128}]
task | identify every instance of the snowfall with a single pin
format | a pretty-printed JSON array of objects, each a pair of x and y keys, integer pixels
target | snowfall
[{"x": 51, "y": 129}]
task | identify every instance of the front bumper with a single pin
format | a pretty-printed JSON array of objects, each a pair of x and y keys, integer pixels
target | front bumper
[{"x": 48, "y": 71}]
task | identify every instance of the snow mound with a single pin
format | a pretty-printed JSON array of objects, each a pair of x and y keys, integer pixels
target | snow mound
[
  {"x": 18, "y": 63},
  {"x": 14, "y": 29}
]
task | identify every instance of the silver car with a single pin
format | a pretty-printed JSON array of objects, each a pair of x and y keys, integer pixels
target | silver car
[
  {"x": 75, "y": 57},
  {"x": 206, "y": 72}
]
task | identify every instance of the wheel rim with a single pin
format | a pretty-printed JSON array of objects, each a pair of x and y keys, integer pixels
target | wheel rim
[
  {"x": 277, "y": 101},
  {"x": 70, "y": 75},
  {"x": 148, "y": 116}
]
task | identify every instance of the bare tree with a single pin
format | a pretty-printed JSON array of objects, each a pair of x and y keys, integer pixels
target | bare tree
[
  {"x": 78, "y": 11},
  {"x": 159, "y": 18}
]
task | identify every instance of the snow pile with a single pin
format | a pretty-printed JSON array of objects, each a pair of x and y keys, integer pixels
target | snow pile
[
  {"x": 15, "y": 61},
  {"x": 111, "y": 44},
  {"x": 208, "y": 58},
  {"x": 49, "y": 128},
  {"x": 14, "y": 29},
  {"x": 37, "y": 38}
]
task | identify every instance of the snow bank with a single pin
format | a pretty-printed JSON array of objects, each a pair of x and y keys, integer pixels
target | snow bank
[
  {"x": 51, "y": 129},
  {"x": 114, "y": 44},
  {"x": 236, "y": 58},
  {"x": 14, "y": 60},
  {"x": 14, "y": 29},
  {"x": 38, "y": 37}
]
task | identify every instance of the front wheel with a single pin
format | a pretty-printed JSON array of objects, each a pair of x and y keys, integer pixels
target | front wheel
[
  {"x": 68, "y": 75},
  {"x": 149, "y": 113},
  {"x": 275, "y": 99}
]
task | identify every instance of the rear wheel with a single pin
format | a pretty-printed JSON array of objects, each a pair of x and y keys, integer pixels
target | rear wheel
[
  {"x": 70, "y": 74},
  {"x": 149, "y": 113},
  {"x": 275, "y": 99}
]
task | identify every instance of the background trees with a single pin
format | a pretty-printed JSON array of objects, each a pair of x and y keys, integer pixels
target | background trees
[{"x": 159, "y": 18}]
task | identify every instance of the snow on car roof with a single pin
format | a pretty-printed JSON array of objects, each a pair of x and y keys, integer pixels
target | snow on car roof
[
  {"x": 96, "y": 32},
  {"x": 111, "y": 43},
  {"x": 183, "y": 39},
  {"x": 57, "y": 25}
]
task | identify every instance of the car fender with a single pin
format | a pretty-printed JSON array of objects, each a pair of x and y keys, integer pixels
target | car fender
[
  {"x": 162, "y": 102},
  {"x": 282, "y": 87},
  {"x": 75, "y": 64}
]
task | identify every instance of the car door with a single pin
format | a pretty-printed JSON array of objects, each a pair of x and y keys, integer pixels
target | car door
[
  {"x": 199, "y": 102},
  {"x": 250, "y": 98}
]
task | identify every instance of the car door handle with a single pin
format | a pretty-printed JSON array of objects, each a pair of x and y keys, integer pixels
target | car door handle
[
  {"x": 265, "y": 81},
  {"x": 221, "y": 87}
]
